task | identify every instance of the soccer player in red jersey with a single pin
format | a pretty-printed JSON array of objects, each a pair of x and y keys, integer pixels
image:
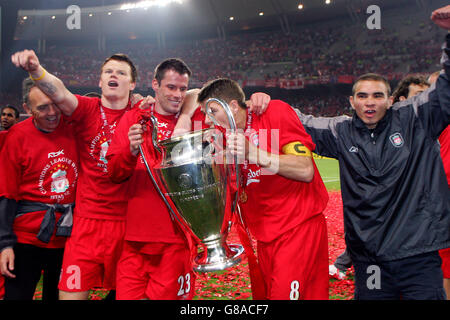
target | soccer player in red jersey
[
  {"x": 94, "y": 247},
  {"x": 37, "y": 192},
  {"x": 282, "y": 196},
  {"x": 155, "y": 262}
]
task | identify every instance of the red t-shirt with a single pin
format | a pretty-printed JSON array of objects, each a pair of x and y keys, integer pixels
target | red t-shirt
[
  {"x": 2, "y": 138},
  {"x": 148, "y": 219},
  {"x": 97, "y": 196},
  {"x": 276, "y": 204},
  {"x": 41, "y": 167},
  {"x": 444, "y": 140}
]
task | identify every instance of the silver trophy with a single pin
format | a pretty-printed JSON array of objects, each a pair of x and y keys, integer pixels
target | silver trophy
[{"x": 195, "y": 177}]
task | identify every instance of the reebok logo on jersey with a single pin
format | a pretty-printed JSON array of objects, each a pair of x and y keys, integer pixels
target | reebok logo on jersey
[
  {"x": 353, "y": 149},
  {"x": 253, "y": 176},
  {"x": 55, "y": 154}
]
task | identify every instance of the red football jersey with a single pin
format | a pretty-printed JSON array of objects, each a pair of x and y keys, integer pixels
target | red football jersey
[
  {"x": 41, "y": 167},
  {"x": 97, "y": 197},
  {"x": 2, "y": 138},
  {"x": 444, "y": 140},
  {"x": 276, "y": 204},
  {"x": 147, "y": 219}
]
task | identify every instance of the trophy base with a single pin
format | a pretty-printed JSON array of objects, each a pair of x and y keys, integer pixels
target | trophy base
[{"x": 217, "y": 259}]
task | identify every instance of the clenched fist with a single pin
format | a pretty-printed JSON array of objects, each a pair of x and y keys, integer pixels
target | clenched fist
[
  {"x": 26, "y": 59},
  {"x": 441, "y": 17}
]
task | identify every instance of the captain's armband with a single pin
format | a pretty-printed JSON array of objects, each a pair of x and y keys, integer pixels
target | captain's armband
[{"x": 296, "y": 148}]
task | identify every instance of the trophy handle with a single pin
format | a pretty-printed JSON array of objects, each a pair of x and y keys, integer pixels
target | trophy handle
[
  {"x": 150, "y": 173},
  {"x": 233, "y": 128}
]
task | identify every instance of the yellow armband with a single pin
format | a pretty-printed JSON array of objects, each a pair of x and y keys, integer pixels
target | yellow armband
[{"x": 297, "y": 149}]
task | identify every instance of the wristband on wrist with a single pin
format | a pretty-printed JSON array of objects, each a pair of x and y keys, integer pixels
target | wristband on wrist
[{"x": 40, "y": 78}]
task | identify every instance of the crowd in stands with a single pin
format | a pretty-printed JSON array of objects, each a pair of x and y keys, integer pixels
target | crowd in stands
[
  {"x": 306, "y": 53},
  {"x": 318, "y": 55}
]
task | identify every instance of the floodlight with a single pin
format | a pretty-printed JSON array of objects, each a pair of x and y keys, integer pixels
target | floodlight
[{"x": 148, "y": 3}]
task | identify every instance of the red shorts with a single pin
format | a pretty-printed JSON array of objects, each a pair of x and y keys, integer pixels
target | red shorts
[
  {"x": 445, "y": 257},
  {"x": 295, "y": 265},
  {"x": 91, "y": 255},
  {"x": 164, "y": 276}
]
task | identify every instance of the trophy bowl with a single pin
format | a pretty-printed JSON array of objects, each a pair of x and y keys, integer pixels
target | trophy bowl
[{"x": 195, "y": 177}]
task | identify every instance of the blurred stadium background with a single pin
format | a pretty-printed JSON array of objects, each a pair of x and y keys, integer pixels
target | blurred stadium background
[{"x": 306, "y": 52}]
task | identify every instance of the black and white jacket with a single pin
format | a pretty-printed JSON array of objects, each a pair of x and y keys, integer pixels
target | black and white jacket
[{"x": 394, "y": 190}]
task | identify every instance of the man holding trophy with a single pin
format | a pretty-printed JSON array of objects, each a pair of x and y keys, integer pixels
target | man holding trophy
[
  {"x": 282, "y": 195},
  {"x": 156, "y": 262}
]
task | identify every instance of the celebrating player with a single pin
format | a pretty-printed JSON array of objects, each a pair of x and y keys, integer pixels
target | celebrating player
[
  {"x": 282, "y": 196},
  {"x": 37, "y": 191}
]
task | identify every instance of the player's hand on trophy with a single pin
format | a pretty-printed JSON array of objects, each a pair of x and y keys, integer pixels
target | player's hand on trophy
[
  {"x": 135, "y": 98},
  {"x": 147, "y": 102},
  {"x": 135, "y": 137},
  {"x": 441, "y": 17},
  {"x": 26, "y": 59},
  {"x": 258, "y": 102},
  {"x": 237, "y": 144}
]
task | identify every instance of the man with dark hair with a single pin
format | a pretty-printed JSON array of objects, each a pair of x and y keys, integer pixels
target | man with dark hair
[
  {"x": 409, "y": 87},
  {"x": 371, "y": 77},
  {"x": 90, "y": 258},
  {"x": 37, "y": 191},
  {"x": 282, "y": 196},
  {"x": 395, "y": 195},
  {"x": 155, "y": 253},
  {"x": 171, "y": 64},
  {"x": 9, "y": 116}
]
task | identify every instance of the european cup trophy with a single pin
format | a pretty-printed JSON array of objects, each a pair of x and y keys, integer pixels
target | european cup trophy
[{"x": 195, "y": 177}]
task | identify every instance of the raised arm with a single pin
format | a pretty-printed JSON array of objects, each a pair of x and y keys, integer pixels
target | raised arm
[
  {"x": 441, "y": 17},
  {"x": 258, "y": 103},
  {"x": 52, "y": 86},
  {"x": 432, "y": 107},
  {"x": 190, "y": 104}
]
